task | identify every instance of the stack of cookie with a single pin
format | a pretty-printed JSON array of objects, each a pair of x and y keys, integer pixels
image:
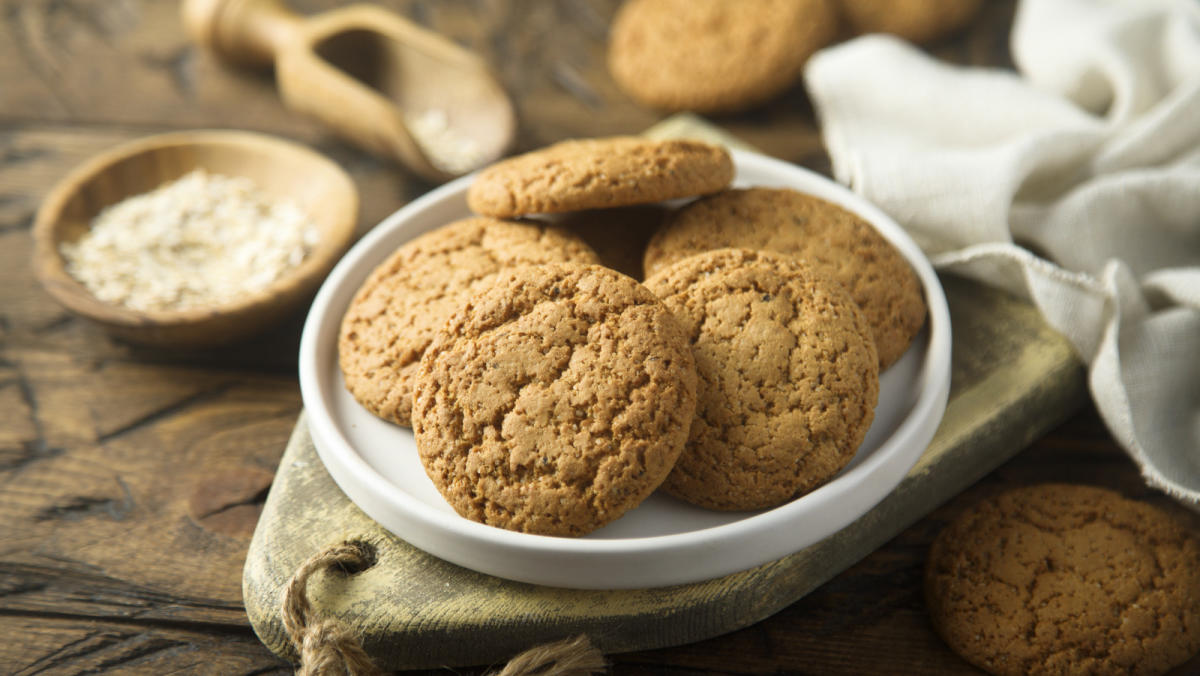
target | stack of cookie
[
  {"x": 550, "y": 391},
  {"x": 729, "y": 55}
]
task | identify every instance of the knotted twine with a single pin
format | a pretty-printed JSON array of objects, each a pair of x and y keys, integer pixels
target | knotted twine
[{"x": 327, "y": 648}]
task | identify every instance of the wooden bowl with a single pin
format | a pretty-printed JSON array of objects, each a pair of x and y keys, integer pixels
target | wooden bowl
[{"x": 280, "y": 169}]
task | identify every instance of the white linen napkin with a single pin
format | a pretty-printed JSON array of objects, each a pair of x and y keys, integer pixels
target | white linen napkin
[{"x": 1074, "y": 183}]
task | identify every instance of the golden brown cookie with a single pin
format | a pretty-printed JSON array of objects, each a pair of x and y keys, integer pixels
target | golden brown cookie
[
  {"x": 555, "y": 401},
  {"x": 1066, "y": 579},
  {"x": 407, "y": 297},
  {"x": 715, "y": 55},
  {"x": 593, "y": 173},
  {"x": 836, "y": 241},
  {"x": 919, "y": 21},
  {"x": 618, "y": 236},
  {"x": 788, "y": 382}
]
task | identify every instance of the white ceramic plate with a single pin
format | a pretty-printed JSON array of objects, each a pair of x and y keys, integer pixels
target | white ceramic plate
[{"x": 663, "y": 541}]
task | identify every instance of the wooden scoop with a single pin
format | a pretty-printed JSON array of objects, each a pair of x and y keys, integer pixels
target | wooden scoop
[{"x": 382, "y": 82}]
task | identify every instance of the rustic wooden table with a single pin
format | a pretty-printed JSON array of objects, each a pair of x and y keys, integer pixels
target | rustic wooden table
[{"x": 131, "y": 479}]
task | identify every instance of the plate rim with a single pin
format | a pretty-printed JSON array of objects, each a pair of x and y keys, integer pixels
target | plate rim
[{"x": 380, "y": 498}]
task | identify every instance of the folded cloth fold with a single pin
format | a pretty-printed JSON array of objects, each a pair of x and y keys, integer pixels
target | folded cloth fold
[{"x": 1074, "y": 182}]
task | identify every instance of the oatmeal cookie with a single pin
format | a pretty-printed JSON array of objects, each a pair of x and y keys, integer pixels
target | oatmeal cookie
[
  {"x": 716, "y": 55},
  {"x": 407, "y": 297},
  {"x": 788, "y": 377},
  {"x": 594, "y": 173},
  {"x": 830, "y": 238},
  {"x": 1066, "y": 579},
  {"x": 555, "y": 401}
]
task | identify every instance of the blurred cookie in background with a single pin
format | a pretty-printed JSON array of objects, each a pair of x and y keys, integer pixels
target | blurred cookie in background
[
  {"x": 919, "y": 21},
  {"x": 716, "y": 55}
]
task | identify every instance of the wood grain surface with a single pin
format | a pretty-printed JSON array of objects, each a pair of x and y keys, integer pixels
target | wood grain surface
[{"x": 131, "y": 478}]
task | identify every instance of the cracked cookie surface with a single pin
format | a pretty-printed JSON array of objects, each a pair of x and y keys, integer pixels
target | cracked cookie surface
[
  {"x": 1058, "y": 578},
  {"x": 599, "y": 173},
  {"x": 555, "y": 401},
  {"x": 830, "y": 238},
  {"x": 406, "y": 298},
  {"x": 788, "y": 377},
  {"x": 716, "y": 55}
]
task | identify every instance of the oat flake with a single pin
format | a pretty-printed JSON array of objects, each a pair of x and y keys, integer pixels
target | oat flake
[{"x": 203, "y": 240}]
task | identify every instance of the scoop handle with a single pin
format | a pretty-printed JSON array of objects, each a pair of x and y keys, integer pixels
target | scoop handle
[{"x": 249, "y": 32}]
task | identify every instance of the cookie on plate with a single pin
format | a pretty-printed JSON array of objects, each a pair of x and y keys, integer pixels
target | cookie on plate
[
  {"x": 1066, "y": 579},
  {"x": 919, "y": 21},
  {"x": 716, "y": 55},
  {"x": 406, "y": 298},
  {"x": 788, "y": 377},
  {"x": 555, "y": 401},
  {"x": 599, "y": 173},
  {"x": 834, "y": 240}
]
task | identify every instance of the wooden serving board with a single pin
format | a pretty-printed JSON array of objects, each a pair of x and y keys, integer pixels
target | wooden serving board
[{"x": 1013, "y": 378}]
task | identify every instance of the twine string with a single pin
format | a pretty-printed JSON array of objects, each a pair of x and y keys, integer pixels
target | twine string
[
  {"x": 327, "y": 648},
  {"x": 568, "y": 657}
]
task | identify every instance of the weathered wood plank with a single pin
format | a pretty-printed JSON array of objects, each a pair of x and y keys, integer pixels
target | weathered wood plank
[
  {"x": 64, "y": 645},
  {"x": 85, "y": 62},
  {"x": 130, "y": 490}
]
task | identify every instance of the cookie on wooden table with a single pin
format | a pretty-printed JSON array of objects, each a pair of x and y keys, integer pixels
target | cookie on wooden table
[
  {"x": 788, "y": 377},
  {"x": 919, "y": 21},
  {"x": 599, "y": 173},
  {"x": 823, "y": 234},
  {"x": 1066, "y": 579},
  {"x": 406, "y": 298},
  {"x": 715, "y": 55},
  {"x": 555, "y": 401}
]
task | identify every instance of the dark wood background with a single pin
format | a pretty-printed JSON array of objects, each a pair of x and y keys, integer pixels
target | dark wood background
[{"x": 131, "y": 479}]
